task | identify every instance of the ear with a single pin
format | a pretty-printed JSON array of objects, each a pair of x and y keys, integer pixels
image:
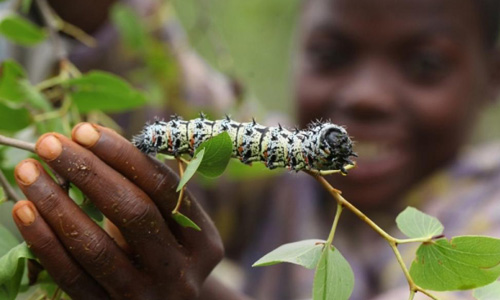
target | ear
[{"x": 494, "y": 76}]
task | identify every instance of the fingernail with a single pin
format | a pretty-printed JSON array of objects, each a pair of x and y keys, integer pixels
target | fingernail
[
  {"x": 25, "y": 214},
  {"x": 86, "y": 135},
  {"x": 27, "y": 172},
  {"x": 49, "y": 147}
]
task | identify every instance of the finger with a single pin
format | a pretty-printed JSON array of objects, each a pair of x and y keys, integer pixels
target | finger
[
  {"x": 87, "y": 243},
  {"x": 61, "y": 266},
  {"x": 123, "y": 203},
  {"x": 152, "y": 176},
  {"x": 115, "y": 233}
]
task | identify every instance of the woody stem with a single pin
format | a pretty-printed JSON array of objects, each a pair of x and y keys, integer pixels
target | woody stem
[{"x": 393, "y": 242}]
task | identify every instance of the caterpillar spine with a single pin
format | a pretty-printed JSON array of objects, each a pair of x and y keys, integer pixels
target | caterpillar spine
[{"x": 323, "y": 146}]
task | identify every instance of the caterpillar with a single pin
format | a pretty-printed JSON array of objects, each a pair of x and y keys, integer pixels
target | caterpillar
[{"x": 323, "y": 146}]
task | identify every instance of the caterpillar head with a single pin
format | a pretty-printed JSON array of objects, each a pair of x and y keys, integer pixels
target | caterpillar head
[
  {"x": 336, "y": 146},
  {"x": 150, "y": 140}
]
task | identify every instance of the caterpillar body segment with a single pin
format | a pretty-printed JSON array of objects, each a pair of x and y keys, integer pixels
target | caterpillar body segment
[{"x": 322, "y": 147}]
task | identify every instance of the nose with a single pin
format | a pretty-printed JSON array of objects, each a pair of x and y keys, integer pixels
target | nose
[{"x": 369, "y": 94}]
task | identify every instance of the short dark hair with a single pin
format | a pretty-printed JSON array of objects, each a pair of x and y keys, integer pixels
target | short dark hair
[{"x": 489, "y": 17}]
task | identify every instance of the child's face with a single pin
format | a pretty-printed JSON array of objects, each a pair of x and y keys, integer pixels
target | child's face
[{"x": 406, "y": 77}]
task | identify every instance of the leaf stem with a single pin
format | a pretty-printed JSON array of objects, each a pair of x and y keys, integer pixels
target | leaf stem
[
  {"x": 415, "y": 240},
  {"x": 421, "y": 290},
  {"x": 74, "y": 31},
  {"x": 51, "y": 82},
  {"x": 181, "y": 193},
  {"x": 57, "y": 294},
  {"x": 334, "y": 225}
]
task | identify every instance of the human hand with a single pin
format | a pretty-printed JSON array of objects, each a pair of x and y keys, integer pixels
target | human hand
[{"x": 137, "y": 194}]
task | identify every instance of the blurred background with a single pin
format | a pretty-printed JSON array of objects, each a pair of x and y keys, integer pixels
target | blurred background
[{"x": 179, "y": 56}]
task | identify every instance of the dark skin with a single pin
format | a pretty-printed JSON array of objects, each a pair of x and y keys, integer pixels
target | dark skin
[
  {"x": 407, "y": 79},
  {"x": 408, "y": 90},
  {"x": 137, "y": 194}
]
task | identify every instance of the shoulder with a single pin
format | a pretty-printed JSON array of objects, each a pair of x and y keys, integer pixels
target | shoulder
[{"x": 465, "y": 197}]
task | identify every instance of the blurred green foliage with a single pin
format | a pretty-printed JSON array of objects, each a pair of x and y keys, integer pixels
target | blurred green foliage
[{"x": 252, "y": 40}]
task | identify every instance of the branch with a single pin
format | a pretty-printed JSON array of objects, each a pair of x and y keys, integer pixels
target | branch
[
  {"x": 17, "y": 143},
  {"x": 9, "y": 190},
  {"x": 74, "y": 31},
  {"x": 51, "y": 22},
  {"x": 393, "y": 242},
  {"x": 340, "y": 200}
]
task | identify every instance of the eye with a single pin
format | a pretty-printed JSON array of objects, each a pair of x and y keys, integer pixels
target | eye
[
  {"x": 427, "y": 67},
  {"x": 328, "y": 56}
]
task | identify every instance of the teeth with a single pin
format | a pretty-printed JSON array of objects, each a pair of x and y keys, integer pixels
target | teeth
[{"x": 370, "y": 150}]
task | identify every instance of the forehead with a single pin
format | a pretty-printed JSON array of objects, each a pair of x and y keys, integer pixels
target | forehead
[{"x": 382, "y": 19}]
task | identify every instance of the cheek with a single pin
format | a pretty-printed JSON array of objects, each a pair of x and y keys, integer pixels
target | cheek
[
  {"x": 450, "y": 109},
  {"x": 443, "y": 119}
]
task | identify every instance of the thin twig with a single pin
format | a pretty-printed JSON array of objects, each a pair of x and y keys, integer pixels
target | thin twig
[
  {"x": 336, "y": 195},
  {"x": 17, "y": 143},
  {"x": 75, "y": 32},
  {"x": 393, "y": 242},
  {"x": 28, "y": 147},
  {"x": 50, "y": 21},
  {"x": 9, "y": 190},
  {"x": 421, "y": 290}
]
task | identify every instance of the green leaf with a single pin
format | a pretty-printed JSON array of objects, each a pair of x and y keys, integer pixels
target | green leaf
[
  {"x": 465, "y": 262},
  {"x": 218, "y": 151},
  {"x": 236, "y": 171},
  {"x": 304, "y": 253},
  {"x": 11, "y": 270},
  {"x": 92, "y": 211},
  {"x": 129, "y": 25},
  {"x": 489, "y": 292},
  {"x": 7, "y": 240},
  {"x": 334, "y": 279},
  {"x": 164, "y": 157},
  {"x": 25, "y": 6},
  {"x": 103, "y": 91},
  {"x": 3, "y": 198},
  {"x": 11, "y": 73},
  {"x": 16, "y": 89},
  {"x": 416, "y": 224},
  {"x": 185, "y": 221},
  {"x": 13, "y": 119},
  {"x": 191, "y": 169},
  {"x": 33, "y": 97},
  {"x": 85, "y": 204},
  {"x": 21, "y": 31}
]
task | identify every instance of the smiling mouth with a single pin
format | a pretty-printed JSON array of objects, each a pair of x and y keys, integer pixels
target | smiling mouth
[
  {"x": 377, "y": 161},
  {"x": 373, "y": 151}
]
